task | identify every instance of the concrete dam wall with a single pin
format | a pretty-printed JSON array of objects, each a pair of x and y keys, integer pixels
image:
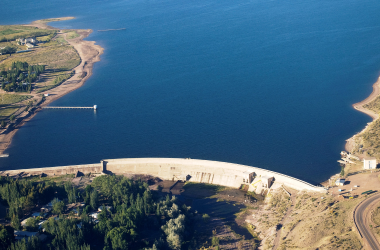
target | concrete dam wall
[
  {"x": 52, "y": 171},
  {"x": 213, "y": 172},
  {"x": 202, "y": 171}
]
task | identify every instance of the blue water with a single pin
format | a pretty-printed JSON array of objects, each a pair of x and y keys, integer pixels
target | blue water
[{"x": 256, "y": 82}]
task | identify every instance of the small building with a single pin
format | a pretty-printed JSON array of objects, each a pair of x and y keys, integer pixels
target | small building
[
  {"x": 38, "y": 214},
  {"x": 40, "y": 224},
  {"x": 266, "y": 181},
  {"x": 94, "y": 215},
  {"x": 46, "y": 209},
  {"x": 23, "y": 223},
  {"x": 29, "y": 45},
  {"x": 369, "y": 163},
  {"x": 340, "y": 182},
  {"x": 106, "y": 207},
  {"x": 31, "y": 40},
  {"x": 19, "y": 235}
]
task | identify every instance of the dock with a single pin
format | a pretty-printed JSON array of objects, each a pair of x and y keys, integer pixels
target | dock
[
  {"x": 111, "y": 30},
  {"x": 95, "y": 107}
]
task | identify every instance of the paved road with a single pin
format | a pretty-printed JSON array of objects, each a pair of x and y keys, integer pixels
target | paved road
[{"x": 361, "y": 219}]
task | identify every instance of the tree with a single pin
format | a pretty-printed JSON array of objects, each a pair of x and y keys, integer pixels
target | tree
[
  {"x": 15, "y": 222},
  {"x": 117, "y": 237},
  {"x": 3, "y": 124},
  {"x": 58, "y": 206},
  {"x": 94, "y": 199},
  {"x": 342, "y": 170},
  {"x": 32, "y": 224},
  {"x": 215, "y": 241},
  {"x": 206, "y": 217},
  {"x": 174, "y": 229},
  {"x": 6, "y": 236},
  {"x": 12, "y": 118}
]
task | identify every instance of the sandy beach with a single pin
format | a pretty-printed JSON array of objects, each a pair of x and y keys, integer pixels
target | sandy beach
[
  {"x": 350, "y": 144},
  {"x": 89, "y": 53}
]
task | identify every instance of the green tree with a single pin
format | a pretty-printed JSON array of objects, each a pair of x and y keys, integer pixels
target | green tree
[
  {"x": 58, "y": 206},
  {"x": 94, "y": 199},
  {"x": 117, "y": 237},
  {"x": 6, "y": 236},
  {"x": 215, "y": 241},
  {"x": 15, "y": 222},
  {"x": 3, "y": 124},
  {"x": 342, "y": 170},
  {"x": 32, "y": 224},
  {"x": 12, "y": 118}
]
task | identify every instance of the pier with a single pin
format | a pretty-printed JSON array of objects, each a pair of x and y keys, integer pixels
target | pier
[{"x": 95, "y": 107}]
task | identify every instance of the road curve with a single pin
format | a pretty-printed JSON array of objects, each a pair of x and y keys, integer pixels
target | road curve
[{"x": 361, "y": 219}]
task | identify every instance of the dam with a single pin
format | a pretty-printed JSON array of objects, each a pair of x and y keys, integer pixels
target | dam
[{"x": 184, "y": 169}]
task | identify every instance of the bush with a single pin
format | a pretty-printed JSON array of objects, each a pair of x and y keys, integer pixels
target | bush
[
  {"x": 206, "y": 217},
  {"x": 215, "y": 241}
]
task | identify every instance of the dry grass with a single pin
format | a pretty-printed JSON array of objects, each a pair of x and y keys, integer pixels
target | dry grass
[
  {"x": 55, "y": 57},
  {"x": 12, "y": 32},
  {"x": 314, "y": 223},
  {"x": 367, "y": 143},
  {"x": 6, "y": 112},
  {"x": 71, "y": 34},
  {"x": 12, "y": 98},
  {"x": 320, "y": 223},
  {"x": 376, "y": 221}
]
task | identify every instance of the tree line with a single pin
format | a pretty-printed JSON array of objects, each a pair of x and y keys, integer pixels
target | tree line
[
  {"x": 20, "y": 76},
  {"x": 136, "y": 218}
]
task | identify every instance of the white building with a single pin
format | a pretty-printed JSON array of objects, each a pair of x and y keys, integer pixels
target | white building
[
  {"x": 369, "y": 163},
  {"x": 340, "y": 182}
]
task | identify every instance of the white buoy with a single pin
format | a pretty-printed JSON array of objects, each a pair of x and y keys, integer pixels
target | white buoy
[{"x": 95, "y": 107}]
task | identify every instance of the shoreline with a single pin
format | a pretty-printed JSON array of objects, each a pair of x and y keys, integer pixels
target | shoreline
[
  {"x": 350, "y": 143},
  {"x": 89, "y": 54}
]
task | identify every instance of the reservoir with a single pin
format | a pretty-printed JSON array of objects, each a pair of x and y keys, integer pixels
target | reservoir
[{"x": 268, "y": 84}]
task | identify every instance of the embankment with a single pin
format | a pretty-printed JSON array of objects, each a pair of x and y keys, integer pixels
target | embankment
[
  {"x": 350, "y": 144},
  {"x": 203, "y": 171}
]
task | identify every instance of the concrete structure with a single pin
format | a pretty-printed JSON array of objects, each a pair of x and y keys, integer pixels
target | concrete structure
[
  {"x": 266, "y": 181},
  {"x": 213, "y": 172},
  {"x": 52, "y": 171},
  {"x": 203, "y": 171},
  {"x": 369, "y": 163},
  {"x": 54, "y": 107}
]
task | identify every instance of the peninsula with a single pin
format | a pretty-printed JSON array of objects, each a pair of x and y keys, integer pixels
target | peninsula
[{"x": 64, "y": 61}]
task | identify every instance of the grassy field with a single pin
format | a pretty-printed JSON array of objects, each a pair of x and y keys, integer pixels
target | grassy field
[
  {"x": 320, "y": 224},
  {"x": 54, "y": 57},
  {"x": 56, "y": 81},
  {"x": 71, "y": 34},
  {"x": 6, "y": 99},
  {"x": 56, "y": 54},
  {"x": 6, "y": 112},
  {"x": 13, "y": 32}
]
